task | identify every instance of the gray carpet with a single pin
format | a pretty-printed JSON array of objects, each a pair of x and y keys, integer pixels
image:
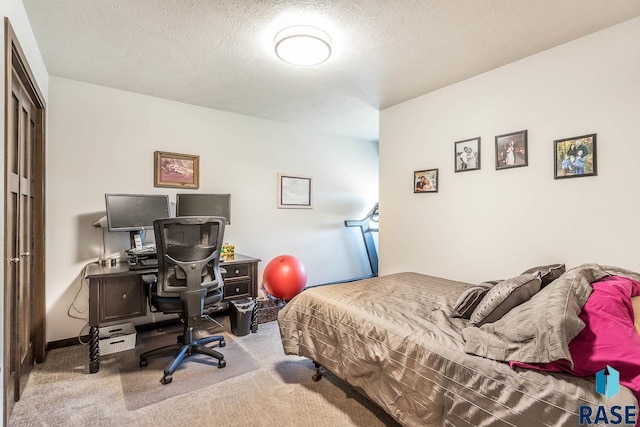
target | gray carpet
[
  {"x": 279, "y": 392},
  {"x": 142, "y": 387}
]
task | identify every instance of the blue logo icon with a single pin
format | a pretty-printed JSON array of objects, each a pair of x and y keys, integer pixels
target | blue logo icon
[{"x": 608, "y": 382}]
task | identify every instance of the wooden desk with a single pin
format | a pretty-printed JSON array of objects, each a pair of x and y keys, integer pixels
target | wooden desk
[{"x": 117, "y": 293}]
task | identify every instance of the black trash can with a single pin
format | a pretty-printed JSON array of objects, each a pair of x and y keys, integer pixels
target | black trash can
[{"x": 241, "y": 315}]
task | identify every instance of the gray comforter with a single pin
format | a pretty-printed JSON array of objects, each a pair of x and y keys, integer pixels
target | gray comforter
[{"x": 392, "y": 337}]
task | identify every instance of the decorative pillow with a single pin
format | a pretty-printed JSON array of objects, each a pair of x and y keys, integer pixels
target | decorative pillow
[
  {"x": 539, "y": 330},
  {"x": 548, "y": 273},
  {"x": 470, "y": 299},
  {"x": 504, "y": 296}
]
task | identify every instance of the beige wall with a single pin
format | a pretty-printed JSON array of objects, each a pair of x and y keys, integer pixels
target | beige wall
[
  {"x": 102, "y": 140},
  {"x": 492, "y": 224}
]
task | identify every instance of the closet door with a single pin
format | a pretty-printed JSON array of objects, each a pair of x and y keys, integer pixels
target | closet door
[
  {"x": 19, "y": 242},
  {"x": 24, "y": 240}
]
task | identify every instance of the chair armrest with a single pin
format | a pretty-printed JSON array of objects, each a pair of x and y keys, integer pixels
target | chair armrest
[
  {"x": 216, "y": 286},
  {"x": 150, "y": 280}
]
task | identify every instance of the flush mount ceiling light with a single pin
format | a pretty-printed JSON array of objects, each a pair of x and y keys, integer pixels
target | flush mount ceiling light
[{"x": 303, "y": 45}]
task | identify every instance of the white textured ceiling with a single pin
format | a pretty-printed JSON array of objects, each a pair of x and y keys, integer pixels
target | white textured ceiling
[{"x": 219, "y": 53}]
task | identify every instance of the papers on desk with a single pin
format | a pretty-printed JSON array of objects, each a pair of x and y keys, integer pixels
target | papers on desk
[{"x": 145, "y": 250}]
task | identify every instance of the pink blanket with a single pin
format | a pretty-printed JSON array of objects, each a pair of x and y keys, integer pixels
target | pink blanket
[{"x": 609, "y": 337}]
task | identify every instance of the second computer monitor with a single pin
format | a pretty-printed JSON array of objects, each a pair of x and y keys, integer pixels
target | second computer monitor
[{"x": 204, "y": 205}]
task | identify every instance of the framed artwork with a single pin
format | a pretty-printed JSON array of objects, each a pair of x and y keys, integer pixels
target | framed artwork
[
  {"x": 511, "y": 150},
  {"x": 467, "y": 155},
  {"x": 575, "y": 157},
  {"x": 425, "y": 181},
  {"x": 176, "y": 170},
  {"x": 294, "y": 191}
]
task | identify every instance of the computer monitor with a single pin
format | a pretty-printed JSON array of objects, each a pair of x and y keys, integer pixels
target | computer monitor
[
  {"x": 135, "y": 212},
  {"x": 192, "y": 204}
]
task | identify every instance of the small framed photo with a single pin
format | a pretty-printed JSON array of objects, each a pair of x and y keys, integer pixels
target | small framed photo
[
  {"x": 294, "y": 191},
  {"x": 575, "y": 157},
  {"x": 467, "y": 155},
  {"x": 176, "y": 170},
  {"x": 511, "y": 150},
  {"x": 425, "y": 181}
]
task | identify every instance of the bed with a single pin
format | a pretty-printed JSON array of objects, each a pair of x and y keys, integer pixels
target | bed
[{"x": 394, "y": 339}]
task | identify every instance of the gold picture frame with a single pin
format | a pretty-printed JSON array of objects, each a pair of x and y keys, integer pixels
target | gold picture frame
[{"x": 176, "y": 170}]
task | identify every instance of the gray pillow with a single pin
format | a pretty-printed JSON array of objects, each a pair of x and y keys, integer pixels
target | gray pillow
[
  {"x": 548, "y": 273},
  {"x": 539, "y": 330},
  {"x": 470, "y": 298},
  {"x": 504, "y": 296}
]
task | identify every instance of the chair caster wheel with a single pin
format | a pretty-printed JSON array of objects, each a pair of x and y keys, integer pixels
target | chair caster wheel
[
  {"x": 222, "y": 363},
  {"x": 144, "y": 363},
  {"x": 222, "y": 343},
  {"x": 167, "y": 379},
  {"x": 316, "y": 377}
]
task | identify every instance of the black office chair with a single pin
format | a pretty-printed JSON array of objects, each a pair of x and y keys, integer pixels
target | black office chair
[{"x": 189, "y": 279}]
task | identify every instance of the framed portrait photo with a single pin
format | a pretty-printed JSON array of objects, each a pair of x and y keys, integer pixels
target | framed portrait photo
[
  {"x": 425, "y": 181},
  {"x": 467, "y": 155},
  {"x": 176, "y": 170},
  {"x": 512, "y": 150},
  {"x": 575, "y": 157}
]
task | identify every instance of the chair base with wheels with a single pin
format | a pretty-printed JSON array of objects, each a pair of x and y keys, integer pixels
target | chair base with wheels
[{"x": 183, "y": 351}]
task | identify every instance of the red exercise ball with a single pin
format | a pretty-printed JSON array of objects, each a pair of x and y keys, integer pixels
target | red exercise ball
[{"x": 284, "y": 277}]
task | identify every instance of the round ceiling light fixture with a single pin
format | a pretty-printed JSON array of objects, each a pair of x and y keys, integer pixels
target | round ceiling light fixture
[{"x": 303, "y": 45}]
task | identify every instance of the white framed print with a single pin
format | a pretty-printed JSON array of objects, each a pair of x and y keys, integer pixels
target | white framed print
[{"x": 294, "y": 191}]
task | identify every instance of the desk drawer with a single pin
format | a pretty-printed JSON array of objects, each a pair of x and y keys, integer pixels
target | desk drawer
[
  {"x": 236, "y": 271},
  {"x": 121, "y": 298},
  {"x": 236, "y": 288}
]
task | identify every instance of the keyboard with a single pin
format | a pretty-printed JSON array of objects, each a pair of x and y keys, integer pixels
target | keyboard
[
  {"x": 143, "y": 263},
  {"x": 148, "y": 262}
]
